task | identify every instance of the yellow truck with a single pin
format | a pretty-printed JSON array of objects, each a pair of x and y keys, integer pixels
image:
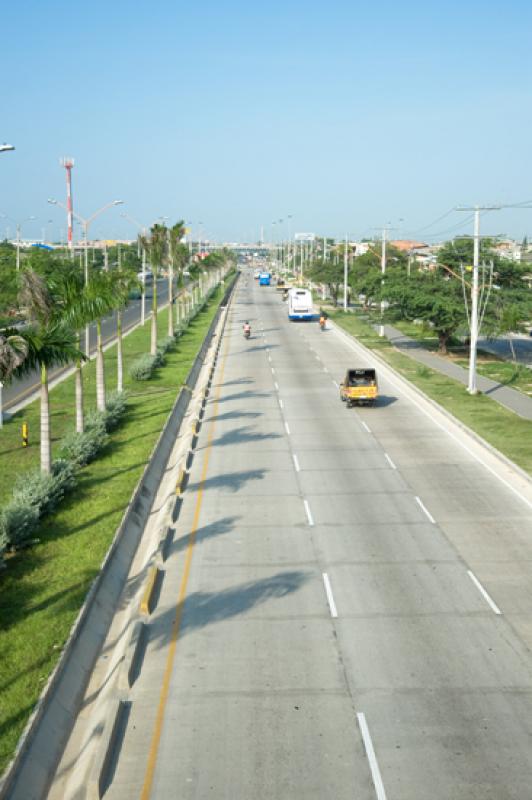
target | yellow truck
[{"x": 359, "y": 387}]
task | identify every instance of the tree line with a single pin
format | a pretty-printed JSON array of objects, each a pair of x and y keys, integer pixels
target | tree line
[
  {"x": 436, "y": 294},
  {"x": 55, "y": 302}
]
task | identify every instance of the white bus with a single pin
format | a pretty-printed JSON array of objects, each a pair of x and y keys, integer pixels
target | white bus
[{"x": 300, "y": 304}]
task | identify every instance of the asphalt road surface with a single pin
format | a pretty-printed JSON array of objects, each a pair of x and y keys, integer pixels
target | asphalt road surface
[
  {"x": 20, "y": 388},
  {"x": 346, "y": 607}
]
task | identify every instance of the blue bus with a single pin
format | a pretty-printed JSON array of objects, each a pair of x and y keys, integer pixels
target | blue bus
[{"x": 264, "y": 279}]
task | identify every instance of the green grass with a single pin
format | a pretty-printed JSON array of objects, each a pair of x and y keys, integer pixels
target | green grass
[
  {"x": 503, "y": 429},
  {"x": 516, "y": 376},
  {"x": 43, "y": 588},
  {"x": 427, "y": 337}
]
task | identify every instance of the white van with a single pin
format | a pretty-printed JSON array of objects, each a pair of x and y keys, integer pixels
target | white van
[{"x": 300, "y": 304}]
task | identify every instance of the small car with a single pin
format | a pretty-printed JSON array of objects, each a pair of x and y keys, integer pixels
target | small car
[{"x": 359, "y": 387}]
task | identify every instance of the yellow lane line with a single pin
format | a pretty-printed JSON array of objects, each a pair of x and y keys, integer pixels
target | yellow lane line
[{"x": 163, "y": 697}]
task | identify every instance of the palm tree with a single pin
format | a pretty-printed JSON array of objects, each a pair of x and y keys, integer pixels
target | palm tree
[
  {"x": 77, "y": 305},
  {"x": 175, "y": 234},
  {"x": 48, "y": 343},
  {"x": 124, "y": 282},
  {"x": 156, "y": 246},
  {"x": 101, "y": 298}
]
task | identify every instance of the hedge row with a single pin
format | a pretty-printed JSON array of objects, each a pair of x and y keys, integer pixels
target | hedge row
[{"x": 36, "y": 494}]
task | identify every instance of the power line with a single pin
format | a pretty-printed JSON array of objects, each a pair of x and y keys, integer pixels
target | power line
[
  {"x": 452, "y": 229},
  {"x": 434, "y": 222}
]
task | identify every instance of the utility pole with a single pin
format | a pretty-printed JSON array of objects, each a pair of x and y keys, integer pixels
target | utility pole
[
  {"x": 474, "y": 331},
  {"x": 345, "y": 273},
  {"x": 385, "y": 230},
  {"x": 383, "y": 272}
]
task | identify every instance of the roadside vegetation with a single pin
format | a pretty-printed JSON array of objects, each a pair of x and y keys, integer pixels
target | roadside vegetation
[{"x": 436, "y": 295}]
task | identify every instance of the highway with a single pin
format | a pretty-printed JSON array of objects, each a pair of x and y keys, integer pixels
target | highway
[
  {"x": 21, "y": 388},
  {"x": 346, "y": 608}
]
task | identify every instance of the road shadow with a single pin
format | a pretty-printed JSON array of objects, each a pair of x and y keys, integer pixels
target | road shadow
[
  {"x": 247, "y": 394},
  {"x": 258, "y": 348},
  {"x": 384, "y": 400},
  {"x": 204, "y": 534},
  {"x": 235, "y": 415},
  {"x": 243, "y": 435},
  {"x": 232, "y": 481},
  {"x": 236, "y": 382},
  {"x": 201, "y": 609}
]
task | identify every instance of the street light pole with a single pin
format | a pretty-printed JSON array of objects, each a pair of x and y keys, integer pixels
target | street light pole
[
  {"x": 345, "y": 272},
  {"x": 472, "y": 381},
  {"x": 474, "y": 329},
  {"x": 383, "y": 272},
  {"x": 18, "y": 230}
]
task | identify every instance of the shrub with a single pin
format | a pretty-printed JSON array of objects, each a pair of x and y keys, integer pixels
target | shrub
[
  {"x": 158, "y": 359},
  {"x": 18, "y": 520},
  {"x": 141, "y": 369},
  {"x": 115, "y": 408},
  {"x": 167, "y": 344},
  {"x": 42, "y": 491},
  {"x": 81, "y": 448}
]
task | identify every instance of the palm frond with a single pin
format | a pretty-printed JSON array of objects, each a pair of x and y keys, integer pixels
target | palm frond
[
  {"x": 13, "y": 351},
  {"x": 35, "y": 297},
  {"x": 50, "y": 346}
]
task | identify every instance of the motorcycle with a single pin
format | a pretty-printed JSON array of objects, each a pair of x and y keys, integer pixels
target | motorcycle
[
  {"x": 247, "y": 333},
  {"x": 323, "y": 323}
]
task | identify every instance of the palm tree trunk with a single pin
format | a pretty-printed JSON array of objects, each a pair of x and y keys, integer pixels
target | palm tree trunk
[
  {"x": 80, "y": 416},
  {"x": 100, "y": 369},
  {"x": 119, "y": 354},
  {"x": 170, "y": 301},
  {"x": 46, "y": 456},
  {"x": 153, "y": 346}
]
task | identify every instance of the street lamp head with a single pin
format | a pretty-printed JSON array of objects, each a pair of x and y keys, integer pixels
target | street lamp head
[
  {"x": 5, "y": 147},
  {"x": 118, "y": 202},
  {"x": 52, "y": 201}
]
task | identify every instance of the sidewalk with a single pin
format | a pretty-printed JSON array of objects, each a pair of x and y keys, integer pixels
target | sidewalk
[{"x": 515, "y": 401}]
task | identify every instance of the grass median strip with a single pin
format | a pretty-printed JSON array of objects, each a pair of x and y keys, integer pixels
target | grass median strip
[
  {"x": 43, "y": 588},
  {"x": 504, "y": 430}
]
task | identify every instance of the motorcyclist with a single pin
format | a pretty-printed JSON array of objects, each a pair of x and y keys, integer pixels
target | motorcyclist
[
  {"x": 247, "y": 329},
  {"x": 323, "y": 321}
]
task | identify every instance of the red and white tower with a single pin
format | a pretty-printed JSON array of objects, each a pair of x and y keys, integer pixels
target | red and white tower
[{"x": 68, "y": 163}]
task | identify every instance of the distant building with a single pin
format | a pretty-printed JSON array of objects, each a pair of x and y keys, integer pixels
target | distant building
[
  {"x": 410, "y": 246},
  {"x": 508, "y": 248}
]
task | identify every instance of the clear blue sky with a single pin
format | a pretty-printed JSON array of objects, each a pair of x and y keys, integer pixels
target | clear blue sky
[{"x": 344, "y": 114}]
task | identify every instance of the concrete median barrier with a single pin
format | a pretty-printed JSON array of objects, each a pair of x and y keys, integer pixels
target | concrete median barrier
[{"x": 99, "y": 777}]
